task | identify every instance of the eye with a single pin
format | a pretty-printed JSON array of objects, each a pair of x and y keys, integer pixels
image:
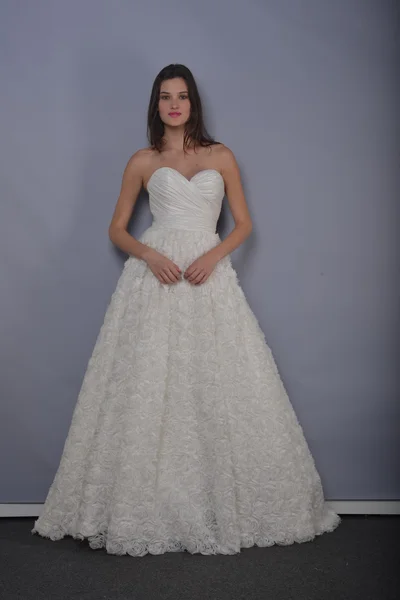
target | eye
[{"x": 182, "y": 97}]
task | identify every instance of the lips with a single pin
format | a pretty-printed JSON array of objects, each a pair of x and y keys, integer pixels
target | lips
[{"x": 174, "y": 114}]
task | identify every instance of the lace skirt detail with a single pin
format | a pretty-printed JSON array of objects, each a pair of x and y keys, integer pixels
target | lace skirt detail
[{"x": 183, "y": 436}]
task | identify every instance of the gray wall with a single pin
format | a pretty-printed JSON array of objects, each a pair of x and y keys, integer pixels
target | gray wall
[{"x": 304, "y": 92}]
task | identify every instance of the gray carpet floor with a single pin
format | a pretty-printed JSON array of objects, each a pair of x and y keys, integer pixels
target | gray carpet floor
[{"x": 360, "y": 560}]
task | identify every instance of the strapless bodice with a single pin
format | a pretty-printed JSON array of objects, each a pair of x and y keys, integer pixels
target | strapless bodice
[{"x": 180, "y": 203}]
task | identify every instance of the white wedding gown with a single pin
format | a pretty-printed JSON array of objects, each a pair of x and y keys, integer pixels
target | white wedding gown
[{"x": 183, "y": 437}]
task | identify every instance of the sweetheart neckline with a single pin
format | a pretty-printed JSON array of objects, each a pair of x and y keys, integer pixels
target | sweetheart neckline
[{"x": 181, "y": 174}]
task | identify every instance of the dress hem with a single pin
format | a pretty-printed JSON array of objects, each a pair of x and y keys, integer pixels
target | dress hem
[{"x": 99, "y": 540}]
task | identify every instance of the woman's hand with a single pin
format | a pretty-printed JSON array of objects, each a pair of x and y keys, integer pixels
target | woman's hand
[
  {"x": 200, "y": 270},
  {"x": 162, "y": 267}
]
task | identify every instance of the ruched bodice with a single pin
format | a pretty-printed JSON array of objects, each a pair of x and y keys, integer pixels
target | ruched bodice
[{"x": 177, "y": 202}]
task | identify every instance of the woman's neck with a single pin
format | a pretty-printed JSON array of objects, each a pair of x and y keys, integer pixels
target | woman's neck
[{"x": 173, "y": 140}]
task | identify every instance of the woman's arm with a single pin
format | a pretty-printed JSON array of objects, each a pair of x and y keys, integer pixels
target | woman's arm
[
  {"x": 237, "y": 203},
  {"x": 132, "y": 182}
]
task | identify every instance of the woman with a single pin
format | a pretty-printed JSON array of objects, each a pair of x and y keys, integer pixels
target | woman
[{"x": 183, "y": 437}]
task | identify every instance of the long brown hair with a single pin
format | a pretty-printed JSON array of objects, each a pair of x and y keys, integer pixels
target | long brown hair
[{"x": 195, "y": 131}]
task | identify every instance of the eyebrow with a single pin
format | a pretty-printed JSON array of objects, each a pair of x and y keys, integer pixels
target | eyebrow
[{"x": 183, "y": 92}]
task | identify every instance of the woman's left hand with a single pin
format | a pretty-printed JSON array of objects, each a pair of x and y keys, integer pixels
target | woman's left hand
[{"x": 200, "y": 270}]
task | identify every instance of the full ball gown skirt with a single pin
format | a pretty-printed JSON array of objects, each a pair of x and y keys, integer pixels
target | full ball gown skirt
[{"x": 183, "y": 437}]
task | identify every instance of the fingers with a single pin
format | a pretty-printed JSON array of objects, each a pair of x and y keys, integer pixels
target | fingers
[
  {"x": 167, "y": 276},
  {"x": 198, "y": 276},
  {"x": 203, "y": 279},
  {"x": 170, "y": 274},
  {"x": 176, "y": 271},
  {"x": 193, "y": 275},
  {"x": 162, "y": 277}
]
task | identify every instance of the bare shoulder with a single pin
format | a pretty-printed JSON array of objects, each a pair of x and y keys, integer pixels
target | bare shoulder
[
  {"x": 230, "y": 172},
  {"x": 140, "y": 161},
  {"x": 225, "y": 157}
]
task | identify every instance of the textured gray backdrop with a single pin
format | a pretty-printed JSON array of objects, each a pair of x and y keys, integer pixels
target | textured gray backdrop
[{"x": 304, "y": 93}]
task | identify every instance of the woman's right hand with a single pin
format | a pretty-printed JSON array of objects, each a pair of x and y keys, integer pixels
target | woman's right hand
[{"x": 162, "y": 267}]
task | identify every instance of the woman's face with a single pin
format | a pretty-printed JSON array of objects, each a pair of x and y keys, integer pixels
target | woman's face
[{"x": 174, "y": 103}]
